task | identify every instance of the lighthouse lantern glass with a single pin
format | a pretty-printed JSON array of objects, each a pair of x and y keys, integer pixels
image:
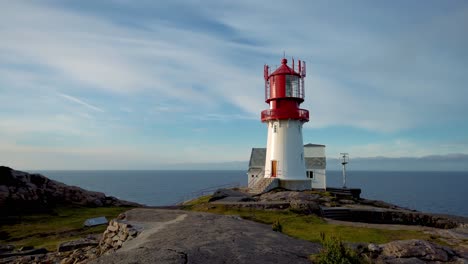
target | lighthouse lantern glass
[{"x": 292, "y": 86}]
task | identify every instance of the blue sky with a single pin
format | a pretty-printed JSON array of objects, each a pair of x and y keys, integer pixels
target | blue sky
[{"x": 139, "y": 84}]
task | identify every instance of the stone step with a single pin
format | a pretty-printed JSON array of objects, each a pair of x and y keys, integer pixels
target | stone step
[{"x": 336, "y": 213}]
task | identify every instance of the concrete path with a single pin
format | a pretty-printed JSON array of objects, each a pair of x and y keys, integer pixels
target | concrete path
[{"x": 175, "y": 236}]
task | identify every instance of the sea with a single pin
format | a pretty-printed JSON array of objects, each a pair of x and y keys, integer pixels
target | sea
[{"x": 426, "y": 191}]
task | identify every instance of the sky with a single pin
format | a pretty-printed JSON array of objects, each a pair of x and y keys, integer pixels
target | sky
[{"x": 141, "y": 84}]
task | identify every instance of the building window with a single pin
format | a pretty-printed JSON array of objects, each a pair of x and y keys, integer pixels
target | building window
[
  {"x": 275, "y": 127},
  {"x": 310, "y": 174}
]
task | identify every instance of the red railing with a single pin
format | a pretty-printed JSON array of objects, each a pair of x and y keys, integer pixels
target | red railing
[{"x": 297, "y": 114}]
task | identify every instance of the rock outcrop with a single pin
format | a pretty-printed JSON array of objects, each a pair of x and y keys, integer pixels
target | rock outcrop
[
  {"x": 116, "y": 234},
  {"x": 342, "y": 208},
  {"x": 413, "y": 251},
  {"x": 22, "y": 192}
]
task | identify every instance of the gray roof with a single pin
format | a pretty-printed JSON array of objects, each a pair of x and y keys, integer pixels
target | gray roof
[
  {"x": 254, "y": 171},
  {"x": 313, "y": 145},
  {"x": 257, "y": 158}
]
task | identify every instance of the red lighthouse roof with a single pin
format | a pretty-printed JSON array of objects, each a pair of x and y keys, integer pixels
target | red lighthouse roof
[{"x": 284, "y": 69}]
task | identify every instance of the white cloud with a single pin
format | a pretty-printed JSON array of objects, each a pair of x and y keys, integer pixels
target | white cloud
[{"x": 383, "y": 80}]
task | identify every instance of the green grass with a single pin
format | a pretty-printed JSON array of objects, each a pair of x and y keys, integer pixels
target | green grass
[
  {"x": 197, "y": 201},
  {"x": 49, "y": 230},
  {"x": 309, "y": 227}
]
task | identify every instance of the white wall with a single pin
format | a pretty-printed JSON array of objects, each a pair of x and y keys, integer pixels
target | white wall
[
  {"x": 320, "y": 180},
  {"x": 314, "y": 152},
  {"x": 253, "y": 179},
  {"x": 286, "y": 147}
]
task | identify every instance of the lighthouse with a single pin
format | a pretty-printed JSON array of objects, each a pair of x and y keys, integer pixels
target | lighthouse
[
  {"x": 286, "y": 162},
  {"x": 284, "y": 93}
]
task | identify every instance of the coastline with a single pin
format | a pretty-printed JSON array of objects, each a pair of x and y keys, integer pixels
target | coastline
[{"x": 298, "y": 213}]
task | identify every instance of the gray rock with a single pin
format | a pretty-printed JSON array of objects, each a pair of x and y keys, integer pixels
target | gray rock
[
  {"x": 25, "y": 248},
  {"x": 414, "y": 248},
  {"x": 22, "y": 192},
  {"x": 34, "y": 251},
  {"x": 346, "y": 201},
  {"x": 288, "y": 196},
  {"x": 174, "y": 236},
  {"x": 374, "y": 248},
  {"x": 304, "y": 207},
  {"x": 6, "y": 248},
  {"x": 223, "y": 193},
  {"x": 403, "y": 261},
  {"x": 76, "y": 244}
]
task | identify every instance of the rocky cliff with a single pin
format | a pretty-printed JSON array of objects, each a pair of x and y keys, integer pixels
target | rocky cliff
[{"x": 22, "y": 192}]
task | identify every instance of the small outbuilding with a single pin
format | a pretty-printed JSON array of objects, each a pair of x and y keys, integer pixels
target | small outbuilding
[{"x": 316, "y": 164}]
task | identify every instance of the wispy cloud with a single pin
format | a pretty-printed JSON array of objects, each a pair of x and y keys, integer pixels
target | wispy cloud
[{"x": 81, "y": 102}]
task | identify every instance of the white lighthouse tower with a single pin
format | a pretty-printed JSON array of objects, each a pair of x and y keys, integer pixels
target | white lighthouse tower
[{"x": 284, "y": 92}]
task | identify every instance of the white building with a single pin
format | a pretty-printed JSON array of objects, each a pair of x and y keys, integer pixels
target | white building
[{"x": 315, "y": 165}]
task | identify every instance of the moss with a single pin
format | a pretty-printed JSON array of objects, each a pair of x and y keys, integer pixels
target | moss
[{"x": 49, "y": 230}]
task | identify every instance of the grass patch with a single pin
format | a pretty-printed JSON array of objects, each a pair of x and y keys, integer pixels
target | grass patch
[
  {"x": 196, "y": 201},
  {"x": 49, "y": 230},
  {"x": 310, "y": 227}
]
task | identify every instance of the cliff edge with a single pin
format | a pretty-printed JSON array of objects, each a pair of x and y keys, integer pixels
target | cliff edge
[{"x": 22, "y": 193}]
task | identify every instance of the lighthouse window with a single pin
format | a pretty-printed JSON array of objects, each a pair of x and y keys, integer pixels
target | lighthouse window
[
  {"x": 275, "y": 127},
  {"x": 292, "y": 86}
]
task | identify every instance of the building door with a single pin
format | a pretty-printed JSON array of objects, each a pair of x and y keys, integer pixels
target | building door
[{"x": 273, "y": 168}]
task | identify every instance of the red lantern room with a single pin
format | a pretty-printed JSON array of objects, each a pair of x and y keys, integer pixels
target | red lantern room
[{"x": 284, "y": 92}]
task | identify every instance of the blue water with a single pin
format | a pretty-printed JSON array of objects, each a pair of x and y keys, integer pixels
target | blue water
[{"x": 436, "y": 192}]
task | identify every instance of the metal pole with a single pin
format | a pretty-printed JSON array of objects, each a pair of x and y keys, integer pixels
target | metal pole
[
  {"x": 344, "y": 175},
  {"x": 344, "y": 161}
]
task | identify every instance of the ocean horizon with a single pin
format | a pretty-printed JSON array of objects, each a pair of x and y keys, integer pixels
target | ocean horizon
[{"x": 427, "y": 191}]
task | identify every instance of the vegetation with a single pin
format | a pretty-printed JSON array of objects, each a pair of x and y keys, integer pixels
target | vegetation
[
  {"x": 49, "y": 230},
  {"x": 277, "y": 227},
  {"x": 308, "y": 227},
  {"x": 334, "y": 252}
]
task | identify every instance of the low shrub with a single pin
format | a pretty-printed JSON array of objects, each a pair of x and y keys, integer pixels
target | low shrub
[
  {"x": 334, "y": 252},
  {"x": 277, "y": 227}
]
